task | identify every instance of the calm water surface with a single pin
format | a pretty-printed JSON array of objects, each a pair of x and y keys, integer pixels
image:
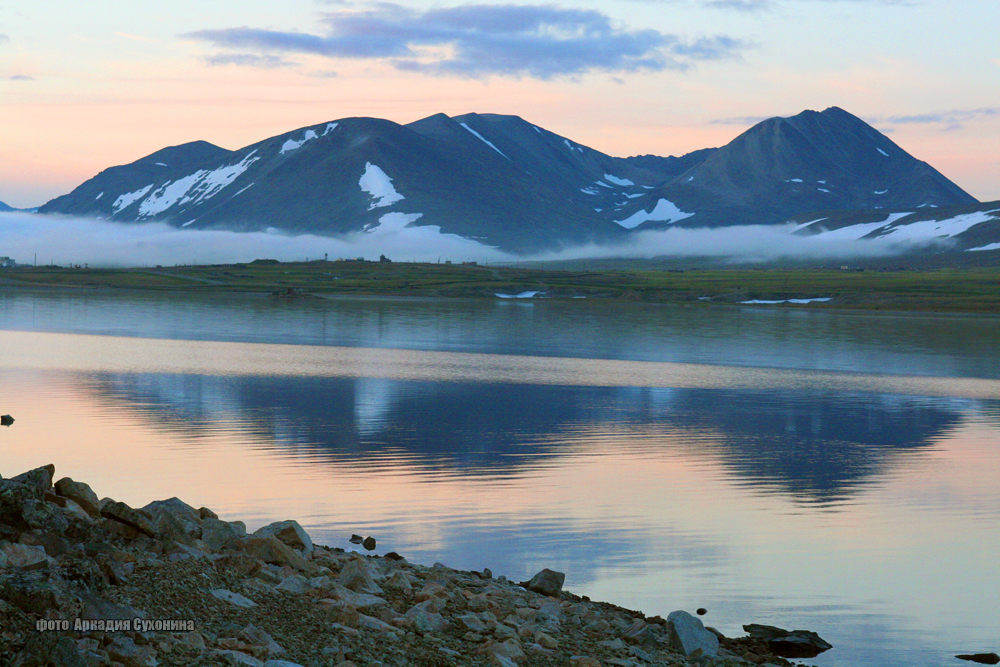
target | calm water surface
[{"x": 828, "y": 471}]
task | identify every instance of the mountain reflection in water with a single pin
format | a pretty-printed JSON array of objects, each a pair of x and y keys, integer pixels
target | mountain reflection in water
[{"x": 818, "y": 445}]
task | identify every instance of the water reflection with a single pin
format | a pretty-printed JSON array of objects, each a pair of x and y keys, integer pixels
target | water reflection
[
  {"x": 819, "y": 445},
  {"x": 953, "y": 346}
]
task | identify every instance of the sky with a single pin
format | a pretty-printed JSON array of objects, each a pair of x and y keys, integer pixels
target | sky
[{"x": 84, "y": 86}]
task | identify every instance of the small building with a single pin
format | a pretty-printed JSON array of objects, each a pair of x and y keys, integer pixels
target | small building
[
  {"x": 384, "y": 259},
  {"x": 7, "y": 263}
]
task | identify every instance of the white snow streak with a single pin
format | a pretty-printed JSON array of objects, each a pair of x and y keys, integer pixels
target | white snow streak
[
  {"x": 617, "y": 181},
  {"x": 99, "y": 196},
  {"x": 881, "y": 151},
  {"x": 393, "y": 223},
  {"x": 881, "y": 192},
  {"x": 196, "y": 187},
  {"x": 854, "y": 232},
  {"x": 291, "y": 144},
  {"x": 926, "y": 230},
  {"x": 483, "y": 139},
  {"x": 376, "y": 183},
  {"x": 126, "y": 200},
  {"x": 820, "y": 299},
  {"x": 664, "y": 211},
  {"x": 589, "y": 191},
  {"x": 520, "y": 295},
  {"x": 992, "y": 246}
]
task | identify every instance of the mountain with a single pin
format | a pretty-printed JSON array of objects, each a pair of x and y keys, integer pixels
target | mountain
[
  {"x": 5, "y": 209},
  {"x": 782, "y": 167},
  {"x": 505, "y": 182},
  {"x": 971, "y": 227}
]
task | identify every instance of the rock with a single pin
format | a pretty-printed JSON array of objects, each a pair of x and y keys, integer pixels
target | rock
[
  {"x": 95, "y": 607},
  {"x": 981, "y": 658},
  {"x": 392, "y": 555},
  {"x": 39, "y": 478},
  {"x": 584, "y": 661},
  {"x": 122, "y": 649},
  {"x": 122, "y": 513},
  {"x": 295, "y": 584},
  {"x": 233, "y": 598},
  {"x": 701, "y": 611},
  {"x": 271, "y": 550},
  {"x": 66, "y": 654},
  {"x": 6, "y": 420},
  {"x": 79, "y": 493},
  {"x": 356, "y": 539},
  {"x": 793, "y": 644},
  {"x": 687, "y": 634},
  {"x": 44, "y": 516},
  {"x": 236, "y": 659},
  {"x": 641, "y": 634},
  {"x": 23, "y": 556},
  {"x": 281, "y": 663},
  {"x": 372, "y": 623},
  {"x": 13, "y": 496},
  {"x": 218, "y": 534},
  {"x": 254, "y": 635},
  {"x": 357, "y": 577},
  {"x": 369, "y": 543},
  {"x": 547, "y": 582},
  {"x": 290, "y": 533},
  {"x": 205, "y": 513},
  {"x": 424, "y": 621}
]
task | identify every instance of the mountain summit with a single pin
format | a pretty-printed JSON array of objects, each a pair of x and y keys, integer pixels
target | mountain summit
[{"x": 506, "y": 182}]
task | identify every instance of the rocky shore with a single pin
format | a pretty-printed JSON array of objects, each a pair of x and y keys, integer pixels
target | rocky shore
[{"x": 87, "y": 582}]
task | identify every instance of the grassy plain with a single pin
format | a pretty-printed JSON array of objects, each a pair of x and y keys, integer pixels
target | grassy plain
[{"x": 941, "y": 289}]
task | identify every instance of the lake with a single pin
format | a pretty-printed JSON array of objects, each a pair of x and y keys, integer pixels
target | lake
[{"x": 812, "y": 469}]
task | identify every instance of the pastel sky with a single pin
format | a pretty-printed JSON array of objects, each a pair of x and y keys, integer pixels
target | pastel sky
[{"x": 84, "y": 86}]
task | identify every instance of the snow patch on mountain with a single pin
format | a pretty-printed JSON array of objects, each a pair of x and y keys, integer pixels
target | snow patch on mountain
[
  {"x": 196, "y": 187},
  {"x": 589, "y": 191},
  {"x": 617, "y": 181},
  {"x": 99, "y": 196},
  {"x": 483, "y": 139},
  {"x": 991, "y": 246},
  {"x": 292, "y": 144},
  {"x": 394, "y": 222},
  {"x": 376, "y": 183},
  {"x": 126, "y": 200},
  {"x": 664, "y": 211},
  {"x": 881, "y": 151},
  {"x": 881, "y": 192},
  {"x": 926, "y": 230},
  {"x": 854, "y": 232}
]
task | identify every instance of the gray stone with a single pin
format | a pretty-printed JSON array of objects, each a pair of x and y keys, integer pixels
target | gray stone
[
  {"x": 289, "y": 532},
  {"x": 95, "y": 607},
  {"x": 218, "y": 534},
  {"x": 271, "y": 550},
  {"x": 79, "y": 493},
  {"x": 424, "y": 621},
  {"x": 358, "y": 578},
  {"x": 236, "y": 659},
  {"x": 789, "y": 644},
  {"x": 124, "y": 650},
  {"x": 369, "y": 543},
  {"x": 981, "y": 658},
  {"x": 13, "y": 495},
  {"x": 233, "y": 598},
  {"x": 281, "y": 663},
  {"x": 688, "y": 635},
  {"x": 39, "y": 478},
  {"x": 122, "y": 513},
  {"x": 44, "y": 516},
  {"x": 294, "y": 584},
  {"x": 547, "y": 582},
  {"x": 23, "y": 556},
  {"x": 254, "y": 635}
]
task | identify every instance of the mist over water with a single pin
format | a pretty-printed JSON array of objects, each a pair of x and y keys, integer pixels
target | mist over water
[{"x": 66, "y": 240}]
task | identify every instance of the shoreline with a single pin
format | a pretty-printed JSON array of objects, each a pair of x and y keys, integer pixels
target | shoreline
[
  {"x": 931, "y": 291},
  {"x": 88, "y": 581}
]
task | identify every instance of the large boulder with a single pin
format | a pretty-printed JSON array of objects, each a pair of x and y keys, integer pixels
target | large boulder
[
  {"x": 289, "y": 532},
  {"x": 547, "y": 582},
  {"x": 688, "y": 635},
  {"x": 79, "y": 493},
  {"x": 39, "y": 478},
  {"x": 272, "y": 550},
  {"x": 13, "y": 496},
  {"x": 122, "y": 513},
  {"x": 789, "y": 643},
  {"x": 219, "y": 534},
  {"x": 357, "y": 577}
]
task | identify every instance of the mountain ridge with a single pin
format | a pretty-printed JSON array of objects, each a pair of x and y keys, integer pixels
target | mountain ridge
[{"x": 505, "y": 182}]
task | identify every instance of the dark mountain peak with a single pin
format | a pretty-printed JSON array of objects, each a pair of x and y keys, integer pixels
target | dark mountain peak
[
  {"x": 4, "y": 208},
  {"x": 193, "y": 151}
]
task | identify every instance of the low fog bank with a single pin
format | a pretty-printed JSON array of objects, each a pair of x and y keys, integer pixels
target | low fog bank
[{"x": 69, "y": 241}]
